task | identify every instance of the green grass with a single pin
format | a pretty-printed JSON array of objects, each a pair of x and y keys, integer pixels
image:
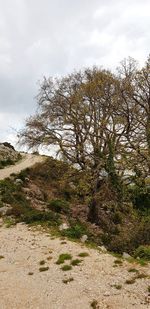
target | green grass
[
  {"x": 130, "y": 281},
  {"x": 42, "y": 262},
  {"x": 83, "y": 254},
  {"x": 133, "y": 270},
  {"x": 66, "y": 267},
  {"x": 41, "y": 269},
  {"x": 67, "y": 280},
  {"x": 76, "y": 262},
  {"x": 63, "y": 257}
]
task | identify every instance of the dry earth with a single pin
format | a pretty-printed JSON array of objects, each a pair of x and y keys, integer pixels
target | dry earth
[
  {"x": 27, "y": 161},
  {"x": 96, "y": 277}
]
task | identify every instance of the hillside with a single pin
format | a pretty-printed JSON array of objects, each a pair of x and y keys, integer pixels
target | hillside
[{"x": 44, "y": 207}]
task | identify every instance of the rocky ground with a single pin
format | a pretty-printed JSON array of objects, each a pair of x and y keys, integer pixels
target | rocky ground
[
  {"x": 28, "y": 160},
  {"x": 97, "y": 282}
]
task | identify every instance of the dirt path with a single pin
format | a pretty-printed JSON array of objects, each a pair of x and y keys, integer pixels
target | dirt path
[
  {"x": 27, "y": 161},
  {"x": 23, "y": 286}
]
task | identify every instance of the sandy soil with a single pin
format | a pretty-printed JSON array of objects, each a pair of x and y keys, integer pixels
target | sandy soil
[
  {"x": 23, "y": 248},
  {"x": 27, "y": 161}
]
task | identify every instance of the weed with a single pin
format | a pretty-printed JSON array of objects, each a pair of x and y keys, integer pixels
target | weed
[
  {"x": 42, "y": 262},
  {"x": 130, "y": 281},
  {"x": 117, "y": 286},
  {"x": 66, "y": 267},
  {"x": 133, "y": 270},
  {"x": 30, "y": 273},
  {"x": 118, "y": 262},
  {"x": 63, "y": 257},
  {"x": 67, "y": 280},
  {"x": 83, "y": 254},
  {"x": 1, "y": 257},
  {"x": 75, "y": 262},
  {"x": 141, "y": 276},
  {"x": 148, "y": 288},
  {"x": 94, "y": 304},
  {"x": 143, "y": 252},
  {"x": 43, "y": 268}
]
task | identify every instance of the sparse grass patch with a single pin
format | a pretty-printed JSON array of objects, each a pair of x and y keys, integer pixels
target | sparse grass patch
[
  {"x": 94, "y": 304},
  {"x": 117, "y": 286},
  {"x": 30, "y": 273},
  {"x": 141, "y": 276},
  {"x": 75, "y": 262},
  {"x": 43, "y": 268},
  {"x": 49, "y": 258},
  {"x": 67, "y": 280},
  {"x": 143, "y": 252},
  {"x": 66, "y": 267},
  {"x": 133, "y": 270},
  {"x": 130, "y": 281},
  {"x": 118, "y": 262},
  {"x": 63, "y": 257},
  {"x": 83, "y": 254},
  {"x": 42, "y": 262}
]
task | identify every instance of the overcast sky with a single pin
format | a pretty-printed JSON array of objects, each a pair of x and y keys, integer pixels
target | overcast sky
[{"x": 49, "y": 37}]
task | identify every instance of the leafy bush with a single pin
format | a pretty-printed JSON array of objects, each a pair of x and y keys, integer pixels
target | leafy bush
[
  {"x": 76, "y": 231},
  {"x": 60, "y": 206},
  {"x": 143, "y": 252},
  {"x": 140, "y": 196}
]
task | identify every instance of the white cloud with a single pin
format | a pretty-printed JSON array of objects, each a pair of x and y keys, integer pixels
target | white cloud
[{"x": 46, "y": 37}]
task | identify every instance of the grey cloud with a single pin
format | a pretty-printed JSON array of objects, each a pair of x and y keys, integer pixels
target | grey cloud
[{"x": 45, "y": 37}]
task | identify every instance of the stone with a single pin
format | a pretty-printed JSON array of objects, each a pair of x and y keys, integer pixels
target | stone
[
  {"x": 84, "y": 238},
  {"x": 126, "y": 255},
  {"x": 18, "y": 181},
  {"x": 102, "y": 248},
  {"x": 63, "y": 226}
]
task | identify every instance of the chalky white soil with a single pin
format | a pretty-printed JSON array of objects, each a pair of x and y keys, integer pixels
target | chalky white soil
[{"x": 23, "y": 248}]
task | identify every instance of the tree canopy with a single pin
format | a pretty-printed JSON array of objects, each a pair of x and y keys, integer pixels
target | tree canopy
[{"x": 97, "y": 119}]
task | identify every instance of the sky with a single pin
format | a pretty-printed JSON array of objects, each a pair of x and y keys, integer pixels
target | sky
[{"x": 53, "y": 37}]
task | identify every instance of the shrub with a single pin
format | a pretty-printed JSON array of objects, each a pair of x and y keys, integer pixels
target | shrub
[
  {"x": 76, "y": 262},
  {"x": 66, "y": 267},
  {"x": 63, "y": 257},
  {"x": 143, "y": 252},
  {"x": 60, "y": 206},
  {"x": 75, "y": 231}
]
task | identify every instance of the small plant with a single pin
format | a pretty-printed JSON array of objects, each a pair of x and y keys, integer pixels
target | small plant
[
  {"x": 141, "y": 276},
  {"x": 42, "y": 262},
  {"x": 118, "y": 262},
  {"x": 130, "y": 281},
  {"x": 49, "y": 258},
  {"x": 60, "y": 206},
  {"x": 67, "y": 280},
  {"x": 66, "y": 267},
  {"x": 148, "y": 289},
  {"x": 143, "y": 252},
  {"x": 1, "y": 257},
  {"x": 76, "y": 262},
  {"x": 83, "y": 254},
  {"x": 63, "y": 257},
  {"x": 117, "y": 286},
  {"x": 43, "y": 268},
  {"x": 30, "y": 273},
  {"x": 133, "y": 270},
  {"x": 94, "y": 304}
]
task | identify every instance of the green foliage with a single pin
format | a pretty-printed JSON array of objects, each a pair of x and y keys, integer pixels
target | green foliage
[
  {"x": 66, "y": 267},
  {"x": 63, "y": 257},
  {"x": 83, "y": 254},
  {"x": 7, "y": 162},
  {"x": 75, "y": 262},
  {"x": 41, "y": 269},
  {"x": 76, "y": 231},
  {"x": 140, "y": 196},
  {"x": 143, "y": 252},
  {"x": 58, "y": 205}
]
